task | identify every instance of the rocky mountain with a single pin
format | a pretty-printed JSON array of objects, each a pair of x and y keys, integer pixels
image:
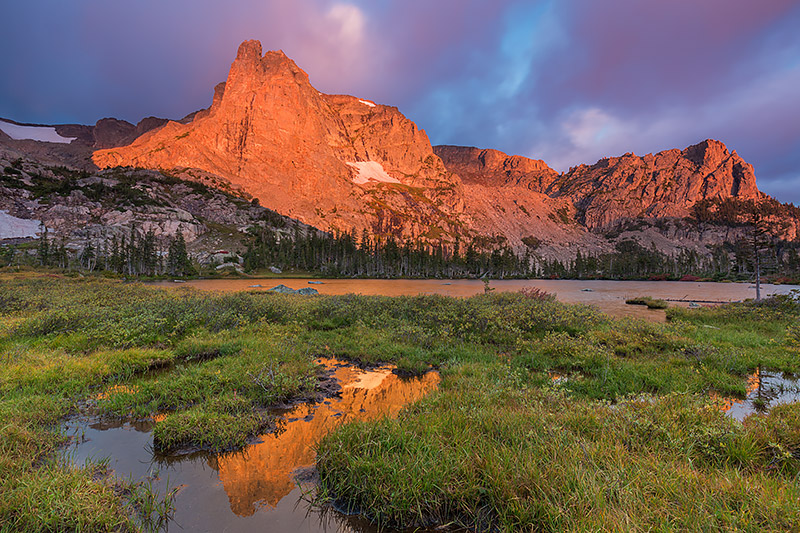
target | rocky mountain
[
  {"x": 666, "y": 184},
  {"x": 341, "y": 163},
  {"x": 492, "y": 168},
  {"x": 79, "y": 207},
  {"x": 335, "y": 162},
  {"x": 110, "y": 132},
  {"x": 592, "y": 206},
  {"x": 106, "y": 132}
]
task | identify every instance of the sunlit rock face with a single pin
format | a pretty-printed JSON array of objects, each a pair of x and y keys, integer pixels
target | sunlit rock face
[
  {"x": 505, "y": 195},
  {"x": 666, "y": 184},
  {"x": 272, "y": 133},
  {"x": 518, "y": 197},
  {"x": 342, "y": 163},
  {"x": 492, "y": 168},
  {"x": 262, "y": 474}
]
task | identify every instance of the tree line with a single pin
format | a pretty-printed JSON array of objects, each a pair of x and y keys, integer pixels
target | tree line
[
  {"x": 133, "y": 254},
  {"x": 730, "y": 260},
  {"x": 140, "y": 253},
  {"x": 343, "y": 255}
]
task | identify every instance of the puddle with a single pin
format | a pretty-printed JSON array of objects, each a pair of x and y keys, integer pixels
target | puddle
[
  {"x": 764, "y": 390},
  {"x": 253, "y": 489}
]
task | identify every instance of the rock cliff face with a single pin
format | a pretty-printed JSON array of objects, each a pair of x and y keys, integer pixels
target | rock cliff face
[
  {"x": 666, "y": 184},
  {"x": 335, "y": 162},
  {"x": 81, "y": 207},
  {"x": 492, "y": 168}
]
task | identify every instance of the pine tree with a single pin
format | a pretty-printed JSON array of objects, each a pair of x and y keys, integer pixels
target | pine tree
[
  {"x": 178, "y": 263},
  {"x": 60, "y": 257},
  {"x": 88, "y": 257},
  {"x": 43, "y": 251}
]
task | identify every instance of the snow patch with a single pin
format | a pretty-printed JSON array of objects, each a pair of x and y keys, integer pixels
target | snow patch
[
  {"x": 16, "y": 228},
  {"x": 371, "y": 171},
  {"x": 367, "y": 102},
  {"x": 34, "y": 133}
]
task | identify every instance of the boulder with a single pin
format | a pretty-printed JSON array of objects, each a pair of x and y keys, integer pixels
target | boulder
[{"x": 283, "y": 289}]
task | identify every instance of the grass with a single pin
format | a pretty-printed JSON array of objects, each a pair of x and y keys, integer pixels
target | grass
[
  {"x": 538, "y": 460},
  {"x": 650, "y": 302},
  {"x": 128, "y": 351},
  {"x": 629, "y": 438},
  {"x": 630, "y": 441}
]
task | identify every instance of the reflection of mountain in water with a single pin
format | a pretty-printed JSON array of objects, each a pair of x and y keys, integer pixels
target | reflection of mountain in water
[
  {"x": 769, "y": 388},
  {"x": 753, "y": 383},
  {"x": 262, "y": 473}
]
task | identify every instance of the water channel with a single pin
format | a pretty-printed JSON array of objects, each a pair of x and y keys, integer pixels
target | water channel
[{"x": 254, "y": 489}]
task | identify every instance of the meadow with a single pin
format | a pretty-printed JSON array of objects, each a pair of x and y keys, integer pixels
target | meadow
[{"x": 548, "y": 416}]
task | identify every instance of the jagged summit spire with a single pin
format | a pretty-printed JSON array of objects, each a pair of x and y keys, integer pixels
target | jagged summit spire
[
  {"x": 251, "y": 64},
  {"x": 249, "y": 50},
  {"x": 270, "y": 132}
]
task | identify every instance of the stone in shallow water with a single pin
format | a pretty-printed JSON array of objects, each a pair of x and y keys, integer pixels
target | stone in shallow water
[
  {"x": 308, "y": 291},
  {"x": 283, "y": 289}
]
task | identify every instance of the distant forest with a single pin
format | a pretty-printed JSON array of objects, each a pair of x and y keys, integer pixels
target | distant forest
[{"x": 346, "y": 255}]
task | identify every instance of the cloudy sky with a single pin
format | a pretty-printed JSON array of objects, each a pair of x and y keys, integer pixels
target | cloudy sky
[{"x": 567, "y": 81}]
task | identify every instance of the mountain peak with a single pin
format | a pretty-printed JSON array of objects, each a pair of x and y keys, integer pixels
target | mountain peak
[
  {"x": 270, "y": 132},
  {"x": 252, "y": 67},
  {"x": 666, "y": 184},
  {"x": 339, "y": 162},
  {"x": 249, "y": 51},
  {"x": 707, "y": 153}
]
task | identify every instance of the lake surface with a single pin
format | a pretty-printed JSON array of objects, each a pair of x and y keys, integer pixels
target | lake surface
[
  {"x": 253, "y": 489},
  {"x": 608, "y": 296}
]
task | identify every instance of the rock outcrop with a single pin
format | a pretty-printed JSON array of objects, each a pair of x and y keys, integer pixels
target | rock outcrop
[
  {"x": 336, "y": 162},
  {"x": 492, "y": 168},
  {"x": 666, "y": 184}
]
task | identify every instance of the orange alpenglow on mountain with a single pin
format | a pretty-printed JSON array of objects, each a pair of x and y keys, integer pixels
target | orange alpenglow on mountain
[
  {"x": 342, "y": 163},
  {"x": 336, "y": 162}
]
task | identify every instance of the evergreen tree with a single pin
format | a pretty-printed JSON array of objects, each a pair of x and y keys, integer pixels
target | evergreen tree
[
  {"x": 178, "y": 263},
  {"x": 6, "y": 255},
  {"x": 60, "y": 258},
  {"x": 43, "y": 250},
  {"x": 87, "y": 258}
]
